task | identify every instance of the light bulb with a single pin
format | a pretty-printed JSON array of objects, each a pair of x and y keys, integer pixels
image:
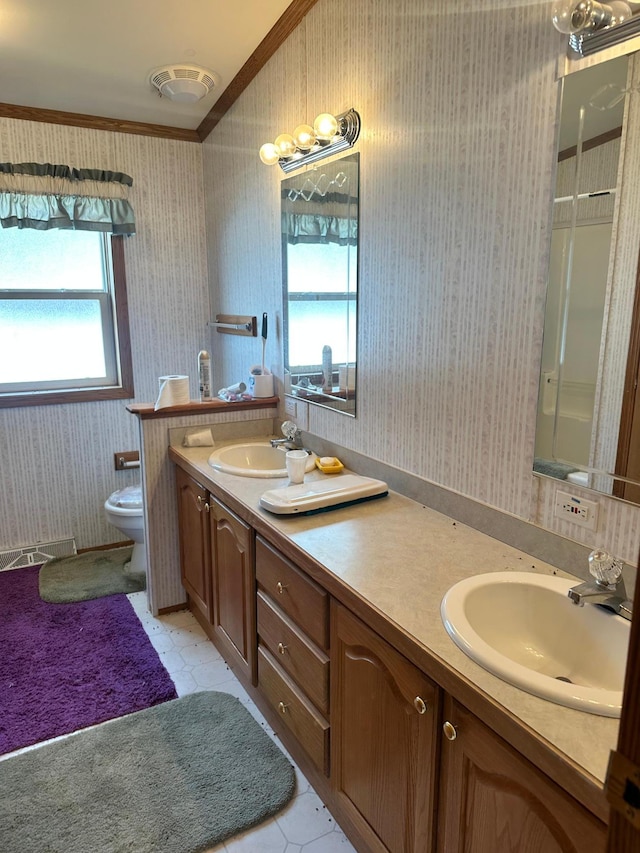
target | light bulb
[
  {"x": 304, "y": 137},
  {"x": 573, "y": 17},
  {"x": 325, "y": 127},
  {"x": 581, "y": 16},
  {"x": 285, "y": 145},
  {"x": 269, "y": 154},
  {"x": 620, "y": 11}
]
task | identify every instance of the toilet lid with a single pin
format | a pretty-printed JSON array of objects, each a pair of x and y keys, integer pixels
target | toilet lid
[{"x": 130, "y": 497}]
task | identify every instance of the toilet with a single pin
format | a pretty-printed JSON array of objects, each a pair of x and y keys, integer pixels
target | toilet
[{"x": 124, "y": 510}]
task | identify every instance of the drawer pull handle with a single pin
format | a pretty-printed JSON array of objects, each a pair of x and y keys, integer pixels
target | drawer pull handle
[
  {"x": 282, "y": 707},
  {"x": 282, "y": 648},
  {"x": 450, "y": 731},
  {"x": 420, "y": 705},
  {"x": 281, "y": 587}
]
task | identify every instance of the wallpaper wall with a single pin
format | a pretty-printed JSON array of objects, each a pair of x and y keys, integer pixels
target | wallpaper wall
[
  {"x": 57, "y": 461},
  {"x": 458, "y": 103}
]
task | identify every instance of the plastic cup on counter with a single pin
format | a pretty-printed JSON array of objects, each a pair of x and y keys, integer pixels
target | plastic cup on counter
[{"x": 296, "y": 462}]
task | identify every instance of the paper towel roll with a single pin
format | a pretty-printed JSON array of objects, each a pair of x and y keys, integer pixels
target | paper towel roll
[{"x": 173, "y": 391}]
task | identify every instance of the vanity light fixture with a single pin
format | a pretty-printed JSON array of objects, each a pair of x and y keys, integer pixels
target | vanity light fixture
[
  {"x": 329, "y": 135},
  {"x": 593, "y": 26}
]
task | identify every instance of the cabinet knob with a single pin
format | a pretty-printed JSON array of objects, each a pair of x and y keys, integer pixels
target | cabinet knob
[
  {"x": 420, "y": 705},
  {"x": 282, "y": 648},
  {"x": 207, "y": 508},
  {"x": 282, "y": 707},
  {"x": 281, "y": 587},
  {"x": 199, "y": 502},
  {"x": 450, "y": 731}
]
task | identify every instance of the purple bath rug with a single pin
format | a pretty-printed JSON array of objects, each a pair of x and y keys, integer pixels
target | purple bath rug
[{"x": 64, "y": 667}]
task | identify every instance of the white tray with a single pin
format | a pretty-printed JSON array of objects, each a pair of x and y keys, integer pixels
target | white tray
[{"x": 319, "y": 495}]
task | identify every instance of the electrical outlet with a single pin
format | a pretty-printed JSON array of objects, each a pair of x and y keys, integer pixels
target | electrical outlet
[
  {"x": 297, "y": 411},
  {"x": 578, "y": 510}
]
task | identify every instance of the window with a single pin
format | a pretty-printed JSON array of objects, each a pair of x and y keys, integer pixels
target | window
[{"x": 64, "y": 333}]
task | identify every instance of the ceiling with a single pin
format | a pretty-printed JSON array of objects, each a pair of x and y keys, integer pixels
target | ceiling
[{"x": 94, "y": 58}]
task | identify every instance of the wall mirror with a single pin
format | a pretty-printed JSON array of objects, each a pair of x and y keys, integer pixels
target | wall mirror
[
  {"x": 319, "y": 211},
  {"x": 588, "y": 419}
]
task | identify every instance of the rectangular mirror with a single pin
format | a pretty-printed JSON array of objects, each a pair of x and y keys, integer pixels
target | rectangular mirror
[
  {"x": 588, "y": 419},
  {"x": 320, "y": 278}
]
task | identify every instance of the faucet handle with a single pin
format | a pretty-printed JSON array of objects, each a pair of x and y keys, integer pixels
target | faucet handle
[
  {"x": 604, "y": 567},
  {"x": 289, "y": 430}
]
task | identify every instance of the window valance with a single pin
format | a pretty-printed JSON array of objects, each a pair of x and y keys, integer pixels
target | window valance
[
  {"x": 319, "y": 228},
  {"x": 45, "y": 195}
]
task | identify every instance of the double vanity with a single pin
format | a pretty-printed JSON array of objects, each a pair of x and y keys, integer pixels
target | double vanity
[{"x": 333, "y": 624}]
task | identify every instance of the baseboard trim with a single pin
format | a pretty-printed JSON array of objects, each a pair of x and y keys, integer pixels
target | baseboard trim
[{"x": 108, "y": 547}]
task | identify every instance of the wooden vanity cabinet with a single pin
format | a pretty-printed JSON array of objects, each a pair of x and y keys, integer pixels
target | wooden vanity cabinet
[
  {"x": 233, "y": 594},
  {"x": 384, "y": 738},
  {"x": 195, "y": 560},
  {"x": 369, "y": 727},
  {"x": 293, "y": 639},
  {"x": 217, "y": 571},
  {"x": 493, "y": 800}
]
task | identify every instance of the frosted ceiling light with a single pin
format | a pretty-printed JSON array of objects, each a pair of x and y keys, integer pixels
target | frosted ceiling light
[{"x": 185, "y": 84}]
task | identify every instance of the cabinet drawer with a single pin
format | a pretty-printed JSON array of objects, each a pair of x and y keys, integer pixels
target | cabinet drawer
[
  {"x": 300, "y": 598},
  {"x": 295, "y": 653},
  {"x": 295, "y": 711}
]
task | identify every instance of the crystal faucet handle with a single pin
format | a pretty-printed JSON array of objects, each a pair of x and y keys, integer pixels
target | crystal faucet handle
[
  {"x": 604, "y": 567},
  {"x": 289, "y": 430}
]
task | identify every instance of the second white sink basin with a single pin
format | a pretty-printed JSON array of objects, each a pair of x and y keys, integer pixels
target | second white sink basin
[
  {"x": 524, "y": 629},
  {"x": 253, "y": 459}
]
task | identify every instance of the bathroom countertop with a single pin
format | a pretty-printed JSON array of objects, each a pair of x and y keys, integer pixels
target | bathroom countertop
[{"x": 400, "y": 558}]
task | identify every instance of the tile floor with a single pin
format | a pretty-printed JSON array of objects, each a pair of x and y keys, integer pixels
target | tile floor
[{"x": 305, "y": 825}]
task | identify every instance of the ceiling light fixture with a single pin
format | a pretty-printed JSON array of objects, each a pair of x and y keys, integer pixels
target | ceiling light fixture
[
  {"x": 329, "y": 135},
  {"x": 183, "y": 83},
  {"x": 592, "y": 26}
]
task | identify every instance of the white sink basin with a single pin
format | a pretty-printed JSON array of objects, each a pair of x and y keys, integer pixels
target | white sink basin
[
  {"x": 524, "y": 629},
  {"x": 253, "y": 459}
]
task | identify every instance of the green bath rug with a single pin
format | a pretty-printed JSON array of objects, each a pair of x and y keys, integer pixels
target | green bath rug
[
  {"x": 176, "y": 778},
  {"x": 89, "y": 575}
]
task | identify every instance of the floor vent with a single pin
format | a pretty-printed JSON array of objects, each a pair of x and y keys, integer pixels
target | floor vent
[{"x": 34, "y": 555}]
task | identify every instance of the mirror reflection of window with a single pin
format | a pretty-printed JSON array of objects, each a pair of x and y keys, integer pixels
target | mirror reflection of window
[
  {"x": 320, "y": 265},
  {"x": 322, "y": 307}
]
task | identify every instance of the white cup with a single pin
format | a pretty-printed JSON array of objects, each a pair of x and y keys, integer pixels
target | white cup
[
  {"x": 296, "y": 462},
  {"x": 262, "y": 386}
]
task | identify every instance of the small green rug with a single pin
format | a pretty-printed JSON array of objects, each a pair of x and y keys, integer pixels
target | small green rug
[
  {"x": 176, "y": 778},
  {"x": 93, "y": 574}
]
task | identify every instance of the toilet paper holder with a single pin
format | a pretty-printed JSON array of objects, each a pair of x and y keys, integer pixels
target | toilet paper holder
[
  {"x": 126, "y": 459},
  {"x": 235, "y": 324}
]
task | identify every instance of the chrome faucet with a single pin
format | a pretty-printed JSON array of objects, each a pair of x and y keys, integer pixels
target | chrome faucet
[
  {"x": 292, "y": 437},
  {"x": 608, "y": 587}
]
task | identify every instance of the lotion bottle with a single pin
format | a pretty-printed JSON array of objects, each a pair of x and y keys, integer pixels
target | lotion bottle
[
  {"x": 327, "y": 369},
  {"x": 204, "y": 374}
]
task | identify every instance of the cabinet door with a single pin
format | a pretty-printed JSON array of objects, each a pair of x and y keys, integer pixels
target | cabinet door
[
  {"x": 495, "y": 801},
  {"x": 233, "y": 589},
  {"x": 384, "y": 719},
  {"x": 194, "y": 542}
]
